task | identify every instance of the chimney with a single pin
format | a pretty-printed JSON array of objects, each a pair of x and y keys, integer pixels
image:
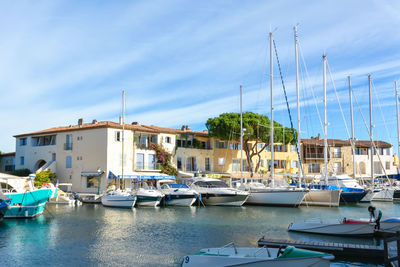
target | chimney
[
  {"x": 94, "y": 121},
  {"x": 80, "y": 122},
  {"x": 319, "y": 137},
  {"x": 135, "y": 123},
  {"x": 120, "y": 120},
  {"x": 183, "y": 128},
  {"x": 187, "y": 127}
]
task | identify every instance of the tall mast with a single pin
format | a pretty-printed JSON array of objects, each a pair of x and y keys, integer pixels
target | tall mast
[
  {"x": 299, "y": 167},
  {"x": 397, "y": 115},
  {"x": 272, "y": 108},
  {"x": 241, "y": 138},
  {"x": 325, "y": 124},
  {"x": 370, "y": 130},
  {"x": 123, "y": 135},
  {"x": 352, "y": 127}
]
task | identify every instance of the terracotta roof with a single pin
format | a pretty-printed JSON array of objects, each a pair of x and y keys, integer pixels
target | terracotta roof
[
  {"x": 111, "y": 124},
  {"x": 7, "y": 154},
  {"x": 339, "y": 142}
]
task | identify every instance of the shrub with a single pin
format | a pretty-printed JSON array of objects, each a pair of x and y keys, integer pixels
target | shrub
[
  {"x": 44, "y": 177},
  {"x": 21, "y": 172}
]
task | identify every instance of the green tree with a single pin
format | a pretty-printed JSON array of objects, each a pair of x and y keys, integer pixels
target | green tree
[
  {"x": 257, "y": 130},
  {"x": 44, "y": 177}
]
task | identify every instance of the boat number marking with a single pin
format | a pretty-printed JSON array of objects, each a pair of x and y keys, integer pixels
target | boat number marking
[{"x": 187, "y": 259}]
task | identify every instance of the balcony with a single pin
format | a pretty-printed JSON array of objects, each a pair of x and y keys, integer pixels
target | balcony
[
  {"x": 314, "y": 155},
  {"x": 67, "y": 146},
  {"x": 142, "y": 146},
  {"x": 337, "y": 155},
  {"x": 148, "y": 166}
]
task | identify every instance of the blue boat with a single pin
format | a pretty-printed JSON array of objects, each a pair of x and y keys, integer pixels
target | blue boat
[
  {"x": 4, "y": 207},
  {"x": 28, "y": 204}
]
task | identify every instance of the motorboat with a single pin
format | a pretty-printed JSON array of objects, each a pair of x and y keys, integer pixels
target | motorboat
[
  {"x": 147, "y": 195},
  {"x": 288, "y": 196},
  {"x": 176, "y": 194},
  {"x": 230, "y": 255},
  {"x": 65, "y": 198},
  {"x": 383, "y": 194},
  {"x": 214, "y": 192},
  {"x": 344, "y": 227},
  {"x": 119, "y": 199},
  {"x": 26, "y": 200}
]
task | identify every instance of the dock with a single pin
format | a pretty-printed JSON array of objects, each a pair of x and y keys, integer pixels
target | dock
[{"x": 336, "y": 249}]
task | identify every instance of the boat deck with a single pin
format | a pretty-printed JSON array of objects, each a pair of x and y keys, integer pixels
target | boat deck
[{"x": 337, "y": 249}]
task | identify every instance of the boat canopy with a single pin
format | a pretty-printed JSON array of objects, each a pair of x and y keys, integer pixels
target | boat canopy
[
  {"x": 90, "y": 174},
  {"x": 140, "y": 175}
]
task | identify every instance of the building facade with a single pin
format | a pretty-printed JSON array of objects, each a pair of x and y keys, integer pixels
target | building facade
[{"x": 7, "y": 162}]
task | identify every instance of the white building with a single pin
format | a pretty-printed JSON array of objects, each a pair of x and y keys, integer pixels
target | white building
[{"x": 86, "y": 153}]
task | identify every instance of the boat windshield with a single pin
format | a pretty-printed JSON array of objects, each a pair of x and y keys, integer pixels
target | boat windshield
[
  {"x": 178, "y": 186},
  {"x": 212, "y": 184}
]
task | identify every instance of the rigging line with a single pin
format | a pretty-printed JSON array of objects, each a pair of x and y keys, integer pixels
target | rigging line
[
  {"x": 372, "y": 140},
  {"x": 309, "y": 80},
  {"x": 338, "y": 100},
  {"x": 288, "y": 108},
  {"x": 383, "y": 117}
]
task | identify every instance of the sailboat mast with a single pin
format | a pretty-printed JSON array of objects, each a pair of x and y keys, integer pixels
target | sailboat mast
[
  {"x": 325, "y": 123},
  {"x": 123, "y": 136},
  {"x": 370, "y": 130},
  {"x": 241, "y": 138},
  {"x": 352, "y": 127},
  {"x": 272, "y": 108},
  {"x": 397, "y": 115},
  {"x": 298, "y": 103}
]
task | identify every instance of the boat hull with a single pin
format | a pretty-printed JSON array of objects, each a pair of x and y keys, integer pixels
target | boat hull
[
  {"x": 385, "y": 194},
  {"x": 285, "y": 198},
  {"x": 328, "y": 198},
  {"x": 180, "y": 199},
  {"x": 29, "y": 204},
  {"x": 118, "y": 201},
  {"x": 351, "y": 197},
  {"x": 148, "y": 201},
  {"x": 223, "y": 199},
  {"x": 396, "y": 195}
]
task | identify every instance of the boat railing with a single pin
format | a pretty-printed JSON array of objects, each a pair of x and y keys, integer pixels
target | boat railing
[
  {"x": 261, "y": 249},
  {"x": 229, "y": 245}
]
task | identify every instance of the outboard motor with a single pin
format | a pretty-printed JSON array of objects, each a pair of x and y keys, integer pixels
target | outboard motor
[{"x": 76, "y": 196}]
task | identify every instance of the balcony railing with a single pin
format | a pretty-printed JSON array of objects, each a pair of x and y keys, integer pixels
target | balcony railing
[
  {"x": 148, "y": 166},
  {"x": 67, "y": 146},
  {"x": 337, "y": 154},
  {"x": 314, "y": 170},
  {"x": 314, "y": 155}
]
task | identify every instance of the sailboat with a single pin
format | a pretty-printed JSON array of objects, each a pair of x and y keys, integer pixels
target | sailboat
[
  {"x": 120, "y": 198},
  {"x": 273, "y": 195}
]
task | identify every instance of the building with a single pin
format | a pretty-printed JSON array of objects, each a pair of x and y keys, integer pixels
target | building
[
  {"x": 7, "y": 162},
  {"x": 340, "y": 157}
]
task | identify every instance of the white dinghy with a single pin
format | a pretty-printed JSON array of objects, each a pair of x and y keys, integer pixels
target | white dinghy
[
  {"x": 344, "y": 227},
  {"x": 230, "y": 255}
]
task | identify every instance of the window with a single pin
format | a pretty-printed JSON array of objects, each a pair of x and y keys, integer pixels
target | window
[
  {"x": 207, "y": 164},
  {"x": 235, "y": 146},
  {"x": 191, "y": 164},
  {"x": 168, "y": 140},
  {"x": 179, "y": 163},
  {"x": 221, "y": 161},
  {"x": 92, "y": 182},
  {"x": 260, "y": 146},
  {"x": 236, "y": 165},
  {"x": 22, "y": 141},
  {"x": 152, "y": 162},
  {"x": 293, "y": 164},
  {"x": 387, "y": 151},
  {"x": 337, "y": 167},
  {"x": 140, "y": 161},
  {"x": 387, "y": 167},
  {"x": 313, "y": 168},
  {"x": 219, "y": 144},
  {"x": 337, "y": 152},
  {"x": 293, "y": 148},
  {"x": 361, "y": 151},
  {"x": 22, "y": 160},
  {"x": 118, "y": 136},
  {"x": 68, "y": 162},
  {"x": 68, "y": 142},
  {"x": 377, "y": 168},
  {"x": 264, "y": 163}
]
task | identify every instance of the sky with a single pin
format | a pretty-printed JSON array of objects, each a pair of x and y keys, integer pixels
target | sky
[{"x": 182, "y": 62}]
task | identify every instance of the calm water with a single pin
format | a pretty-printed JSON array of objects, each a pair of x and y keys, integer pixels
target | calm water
[{"x": 91, "y": 235}]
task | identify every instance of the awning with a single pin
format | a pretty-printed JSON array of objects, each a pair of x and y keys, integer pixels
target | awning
[
  {"x": 140, "y": 175},
  {"x": 90, "y": 174}
]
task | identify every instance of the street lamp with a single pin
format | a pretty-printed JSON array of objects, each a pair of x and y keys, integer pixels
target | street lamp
[{"x": 99, "y": 172}]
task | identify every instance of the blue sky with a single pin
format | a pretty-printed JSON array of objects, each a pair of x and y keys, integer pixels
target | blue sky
[{"x": 181, "y": 62}]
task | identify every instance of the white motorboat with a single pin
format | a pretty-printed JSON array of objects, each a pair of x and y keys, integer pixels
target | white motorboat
[
  {"x": 119, "y": 199},
  {"x": 214, "y": 192},
  {"x": 176, "y": 194},
  {"x": 383, "y": 194},
  {"x": 147, "y": 195},
  {"x": 344, "y": 227},
  {"x": 274, "y": 196},
  {"x": 230, "y": 255}
]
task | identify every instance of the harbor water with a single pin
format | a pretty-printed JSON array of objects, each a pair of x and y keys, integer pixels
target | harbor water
[{"x": 92, "y": 235}]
